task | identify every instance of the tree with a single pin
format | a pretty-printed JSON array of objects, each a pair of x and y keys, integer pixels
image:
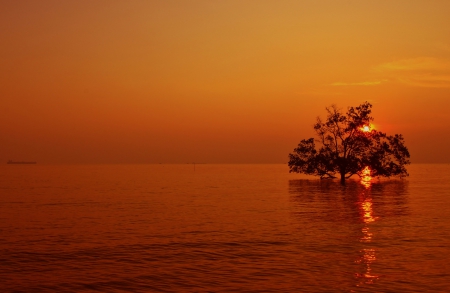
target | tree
[{"x": 346, "y": 146}]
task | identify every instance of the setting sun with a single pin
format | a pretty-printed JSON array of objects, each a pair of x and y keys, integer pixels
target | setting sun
[{"x": 366, "y": 128}]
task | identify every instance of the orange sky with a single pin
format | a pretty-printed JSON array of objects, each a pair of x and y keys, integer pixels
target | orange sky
[{"x": 216, "y": 81}]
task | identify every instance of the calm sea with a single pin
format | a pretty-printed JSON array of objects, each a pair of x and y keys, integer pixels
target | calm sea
[{"x": 220, "y": 228}]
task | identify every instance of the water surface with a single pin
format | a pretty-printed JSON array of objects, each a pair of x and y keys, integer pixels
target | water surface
[{"x": 220, "y": 228}]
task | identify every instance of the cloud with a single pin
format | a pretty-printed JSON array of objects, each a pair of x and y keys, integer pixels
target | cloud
[
  {"x": 421, "y": 72},
  {"x": 364, "y": 83},
  {"x": 319, "y": 93},
  {"x": 421, "y": 64},
  {"x": 439, "y": 81},
  {"x": 417, "y": 72}
]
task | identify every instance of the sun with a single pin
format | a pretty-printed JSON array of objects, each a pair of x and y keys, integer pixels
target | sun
[{"x": 366, "y": 128}]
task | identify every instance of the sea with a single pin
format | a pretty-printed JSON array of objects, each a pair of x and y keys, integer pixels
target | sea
[{"x": 221, "y": 228}]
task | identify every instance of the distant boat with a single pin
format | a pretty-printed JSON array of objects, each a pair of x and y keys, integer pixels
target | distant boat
[{"x": 21, "y": 162}]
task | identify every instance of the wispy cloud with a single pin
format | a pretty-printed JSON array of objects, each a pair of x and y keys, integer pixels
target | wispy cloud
[
  {"x": 421, "y": 71},
  {"x": 319, "y": 93},
  {"x": 436, "y": 81},
  {"x": 364, "y": 83},
  {"x": 418, "y": 72},
  {"x": 422, "y": 63}
]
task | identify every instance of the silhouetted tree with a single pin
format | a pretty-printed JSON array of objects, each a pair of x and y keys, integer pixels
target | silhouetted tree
[{"x": 346, "y": 146}]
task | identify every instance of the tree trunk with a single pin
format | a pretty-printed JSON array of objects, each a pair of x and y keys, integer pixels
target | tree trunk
[{"x": 342, "y": 178}]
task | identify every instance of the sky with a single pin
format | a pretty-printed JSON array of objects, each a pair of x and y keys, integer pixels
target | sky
[{"x": 208, "y": 81}]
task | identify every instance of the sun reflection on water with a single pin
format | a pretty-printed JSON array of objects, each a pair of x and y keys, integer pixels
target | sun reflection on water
[
  {"x": 367, "y": 210},
  {"x": 366, "y": 178},
  {"x": 367, "y": 259},
  {"x": 367, "y": 235},
  {"x": 365, "y": 205},
  {"x": 358, "y": 210}
]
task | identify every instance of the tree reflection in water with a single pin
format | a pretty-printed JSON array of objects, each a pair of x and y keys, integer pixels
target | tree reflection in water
[{"x": 351, "y": 216}]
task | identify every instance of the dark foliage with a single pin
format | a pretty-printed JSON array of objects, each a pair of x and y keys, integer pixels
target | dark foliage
[{"x": 343, "y": 149}]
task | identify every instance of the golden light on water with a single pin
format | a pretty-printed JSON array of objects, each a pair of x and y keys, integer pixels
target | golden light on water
[
  {"x": 367, "y": 258},
  {"x": 368, "y": 255},
  {"x": 366, "y": 172},
  {"x": 367, "y": 235},
  {"x": 366, "y": 178},
  {"x": 366, "y": 204},
  {"x": 367, "y": 210}
]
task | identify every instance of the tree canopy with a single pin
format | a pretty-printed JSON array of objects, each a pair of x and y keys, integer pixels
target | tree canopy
[{"x": 346, "y": 145}]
